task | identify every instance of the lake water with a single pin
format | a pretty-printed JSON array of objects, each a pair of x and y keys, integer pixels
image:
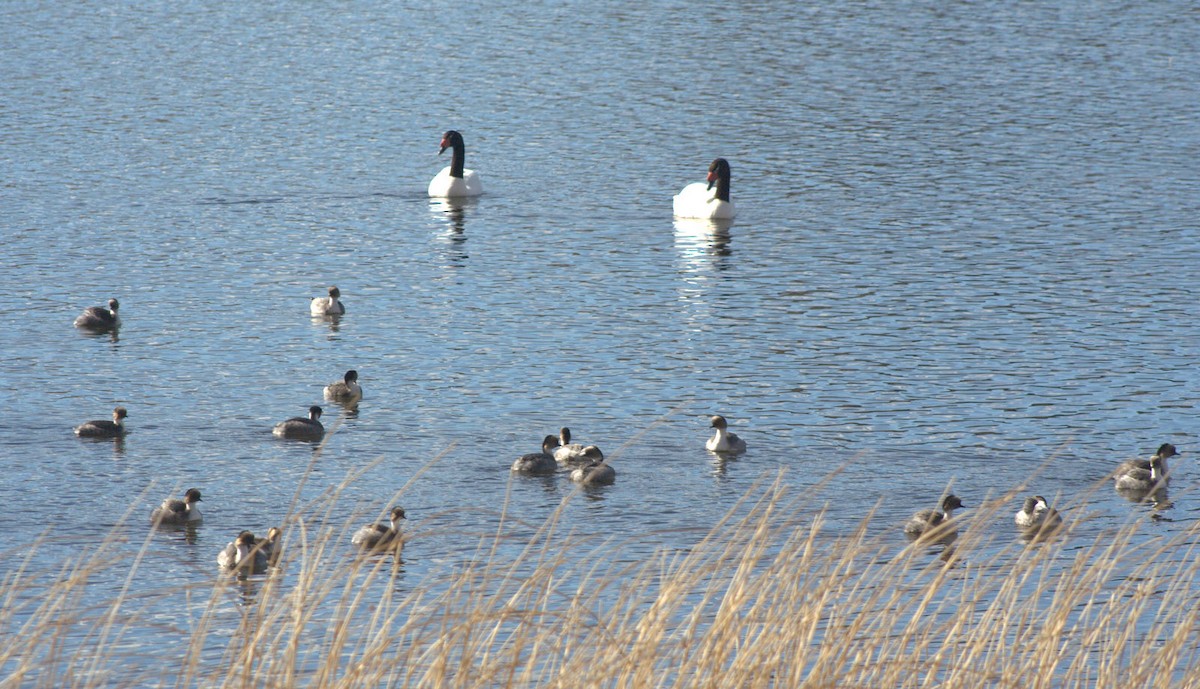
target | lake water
[{"x": 965, "y": 254}]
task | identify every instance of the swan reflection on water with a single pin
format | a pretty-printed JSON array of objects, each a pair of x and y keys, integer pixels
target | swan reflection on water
[
  {"x": 453, "y": 212},
  {"x": 702, "y": 244}
]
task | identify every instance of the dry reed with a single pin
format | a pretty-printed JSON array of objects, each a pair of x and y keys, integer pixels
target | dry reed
[{"x": 768, "y": 598}]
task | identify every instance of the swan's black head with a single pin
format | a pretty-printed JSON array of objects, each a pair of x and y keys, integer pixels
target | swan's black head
[
  {"x": 314, "y": 412},
  {"x": 1166, "y": 450},
  {"x": 335, "y": 292},
  {"x": 120, "y": 413},
  {"x": 192, "y": 495},
  {"x": 397, "y": 513},
  {"x": 451, "y": 139},
  {"x": 718, "y": 171},
  {"x": 113, "y": 305},
  {"x": 351, "y": 376},
  {"x": 564, "y": 435}
]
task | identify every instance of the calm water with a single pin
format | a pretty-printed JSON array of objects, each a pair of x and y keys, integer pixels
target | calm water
[{"x": 966, "y": 244}]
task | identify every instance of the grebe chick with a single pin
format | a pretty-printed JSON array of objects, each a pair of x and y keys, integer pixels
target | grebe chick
[
  {"x": 596, "y": 472},
  {"x": 373, "y": 536},
  {"x": 328, "y": 306},
  {"x": 345, "y": 391},
  {"x": 173, "y": 511},
  {"x": 243, "y": 555},
  {"x": 934, "y": 523},
  {"x": 271, "y": 545},
  {"x": 568, "y": 452},
  {"x": 724, "y": 440},
  {"x": 300, "y": 428},
  {"x": 103, "y": 428},
  {"x": 539, "y": 462},
  {"x": 99, "y": 318}
]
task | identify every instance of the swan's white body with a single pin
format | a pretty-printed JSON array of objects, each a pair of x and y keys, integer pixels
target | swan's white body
[
  {"x": 445, "y": 186},
  {"x": 697, "y": 200}
]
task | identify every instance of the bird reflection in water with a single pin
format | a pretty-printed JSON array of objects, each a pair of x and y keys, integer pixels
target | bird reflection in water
[
  {"x": 703, "y": 244},
  {"x": 453, "y": 211}
]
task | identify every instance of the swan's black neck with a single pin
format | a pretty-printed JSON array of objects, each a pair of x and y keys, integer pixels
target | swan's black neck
[
  {"x": 458, "y": 155},
  {"x": 719, "y": 174},
  {"x": 723, "y": 186}
]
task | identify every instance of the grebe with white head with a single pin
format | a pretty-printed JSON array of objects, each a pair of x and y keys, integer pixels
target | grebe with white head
[
  {"x": 597, "y": 472},
  {"x": 1036, "y": 515},
  {"x": 99, "y": 318},
  {"x": 345, "y": 391},
  {"x": 1137, "y": 470},
  {"x": 538, "y": 462},
  {"x": 934, "y": 523},
  {"x": 377, "y": 536},
  {"x": 328, "y": 306},
  {"x": 300, "y": 428},
  {"x": 174, "y": 511},
  {"x": 243, "y": 555},
  {"x": 454, "y": 180},
  {"x": 568, "y": 452},
  {"x": 724, "y": 440},
  {"x": 103, "y": 428}
]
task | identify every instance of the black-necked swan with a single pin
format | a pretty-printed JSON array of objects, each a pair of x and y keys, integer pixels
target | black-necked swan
[
  {"x": 699, "y": 200},
  {"x": 454, "y": 180}
]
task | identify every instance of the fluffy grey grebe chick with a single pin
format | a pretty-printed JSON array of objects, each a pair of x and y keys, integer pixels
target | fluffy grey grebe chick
[
  {"x": 539, "y": 462},
  {"x": 300, "y": 428},
  {"x": 328, "y": 306},
  {"x": 934, "y": 522},
  {"x": 103, "y": 428},
  {"x": 98, "y": 317},
  {"x": 243, "y": 555},
  {"x": 724, "y": 440},
  {"x": 568, "y": 452},
  {"x": 596, "y": 472},
  {"x": 345, "y": 391},
  {"x": 381, "y": 535},
  {"x": 173, "y": 511}
]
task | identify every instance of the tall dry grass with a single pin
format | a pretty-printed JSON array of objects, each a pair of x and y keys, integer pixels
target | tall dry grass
[{"x": 768, "y": 598}]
